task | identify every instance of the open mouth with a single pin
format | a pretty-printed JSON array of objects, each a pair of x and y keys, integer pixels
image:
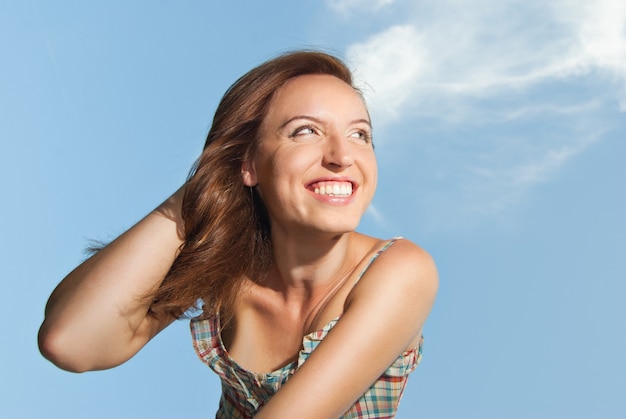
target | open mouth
[{"x": 332, "y": 188}]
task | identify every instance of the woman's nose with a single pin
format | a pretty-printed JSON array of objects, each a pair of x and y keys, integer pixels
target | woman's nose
[{"x": 337, "y": 152}]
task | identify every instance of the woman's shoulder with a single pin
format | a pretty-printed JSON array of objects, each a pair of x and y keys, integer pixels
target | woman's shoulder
[
  {"x": 398, "y": 264},
  {"x": 394, "y": 295},
  {"x": 409, "y": 253},
  {"x": 400, "y": 252}
]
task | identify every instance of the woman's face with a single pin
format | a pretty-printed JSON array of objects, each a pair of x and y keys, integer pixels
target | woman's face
[{"x": 315, "y": 166}]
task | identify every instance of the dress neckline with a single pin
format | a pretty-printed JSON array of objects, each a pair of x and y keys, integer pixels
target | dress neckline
[{"x": 315, "y": 335}]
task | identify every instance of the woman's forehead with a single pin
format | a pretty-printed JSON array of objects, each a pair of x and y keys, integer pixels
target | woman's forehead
[{"x": 317, "y": 93}]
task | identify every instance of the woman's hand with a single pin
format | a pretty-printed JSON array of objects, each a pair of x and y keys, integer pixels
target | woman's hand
[
  {"x": 384, "y": 315},
  {"x": 97, "y": 317}
]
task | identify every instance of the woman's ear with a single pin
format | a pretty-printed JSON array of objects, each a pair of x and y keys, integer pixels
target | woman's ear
[{"x": 248, "y": 173}]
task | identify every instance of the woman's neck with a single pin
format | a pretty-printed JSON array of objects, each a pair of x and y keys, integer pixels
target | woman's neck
[{"x": 304, "y": 267}]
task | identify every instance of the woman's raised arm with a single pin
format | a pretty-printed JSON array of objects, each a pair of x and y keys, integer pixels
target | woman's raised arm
[{"x": 97, "y": 317}]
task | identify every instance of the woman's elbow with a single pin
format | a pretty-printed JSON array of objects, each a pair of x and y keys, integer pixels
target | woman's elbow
[{"x": 58, "y": 349}]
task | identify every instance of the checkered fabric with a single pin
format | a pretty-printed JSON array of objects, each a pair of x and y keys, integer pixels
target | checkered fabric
[{"x": 245, "y": 392}]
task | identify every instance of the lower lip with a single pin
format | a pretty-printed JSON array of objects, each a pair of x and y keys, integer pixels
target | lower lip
[{"x": 334, "y": 200}]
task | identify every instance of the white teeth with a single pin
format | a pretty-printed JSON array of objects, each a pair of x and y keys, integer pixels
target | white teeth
[{"x": 336, "y": 189}]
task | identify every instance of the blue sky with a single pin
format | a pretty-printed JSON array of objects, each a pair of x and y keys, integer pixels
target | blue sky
[{"x": 500, "y": 130}]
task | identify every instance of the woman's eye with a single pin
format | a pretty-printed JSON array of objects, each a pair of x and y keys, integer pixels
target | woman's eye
[
  {"x": 362, "y": 136},
  {"x": 303, "y": 131}
]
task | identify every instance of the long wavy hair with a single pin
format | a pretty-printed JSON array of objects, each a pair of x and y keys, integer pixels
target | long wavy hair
[{"x": 226, "y": 227}]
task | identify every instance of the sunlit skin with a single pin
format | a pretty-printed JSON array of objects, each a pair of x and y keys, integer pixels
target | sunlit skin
[
  {"x": 315, "y": 170},
  {"x": 316, "y": 135}
]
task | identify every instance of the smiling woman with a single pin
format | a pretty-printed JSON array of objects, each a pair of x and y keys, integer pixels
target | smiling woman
[
  {"x": 315, "y": 146},
  {"x": 301, "y": 315}
]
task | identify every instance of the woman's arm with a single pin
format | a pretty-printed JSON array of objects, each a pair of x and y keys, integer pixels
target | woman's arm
[
  {"x": 384, "y": 313},
  {"x": 96, "y": 317}
]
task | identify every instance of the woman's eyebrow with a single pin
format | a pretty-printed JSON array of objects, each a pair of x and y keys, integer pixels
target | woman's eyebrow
[
  {"x": 361, "y": 121},
  {"x": 319, "y": 121},
  {"x": 295, "y": 118}
]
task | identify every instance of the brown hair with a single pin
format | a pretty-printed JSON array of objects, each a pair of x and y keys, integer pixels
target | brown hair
[{"x": 226, "y": 227}]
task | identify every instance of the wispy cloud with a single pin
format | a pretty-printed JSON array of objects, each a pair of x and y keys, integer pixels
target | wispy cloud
[
  {"x": 377, "y": 216},
  {"x": 524, "y": 83},
  {"x": 486, "y": 49},
  {"x": 501, "y": 183},
  {"x": 391, "y": 67},
  {"x": 347, "y": 6}
]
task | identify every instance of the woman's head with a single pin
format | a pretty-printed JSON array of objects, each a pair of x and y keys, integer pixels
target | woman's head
[
  {"x": 226, "y": 225},
  {"x": 235, "y": 134},
  {"x": 314, "y": 164}
]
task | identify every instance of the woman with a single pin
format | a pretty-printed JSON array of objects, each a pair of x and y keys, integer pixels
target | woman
[{"x": 263, "y": 234}]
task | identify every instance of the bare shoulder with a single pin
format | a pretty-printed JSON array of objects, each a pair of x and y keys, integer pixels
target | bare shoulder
[
  {"x": 402, "y": 264},
  {"x": 401, "y": 282},
  {"x": 405, "y": 252}
]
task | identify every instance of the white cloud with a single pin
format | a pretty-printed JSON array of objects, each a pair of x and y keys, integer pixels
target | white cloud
[
  {"x": 548, "y": 69},
  {"x": 388, "y": 63},
  {"x": 485, "y": 49},
  {"x": 600, "y": 29}
]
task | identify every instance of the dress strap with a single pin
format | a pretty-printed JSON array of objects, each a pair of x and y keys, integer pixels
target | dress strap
[{"x": 386, "y": 246}]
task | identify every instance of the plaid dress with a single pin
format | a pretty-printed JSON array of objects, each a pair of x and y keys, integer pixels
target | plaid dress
[{"x": 245, "y": 392}]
